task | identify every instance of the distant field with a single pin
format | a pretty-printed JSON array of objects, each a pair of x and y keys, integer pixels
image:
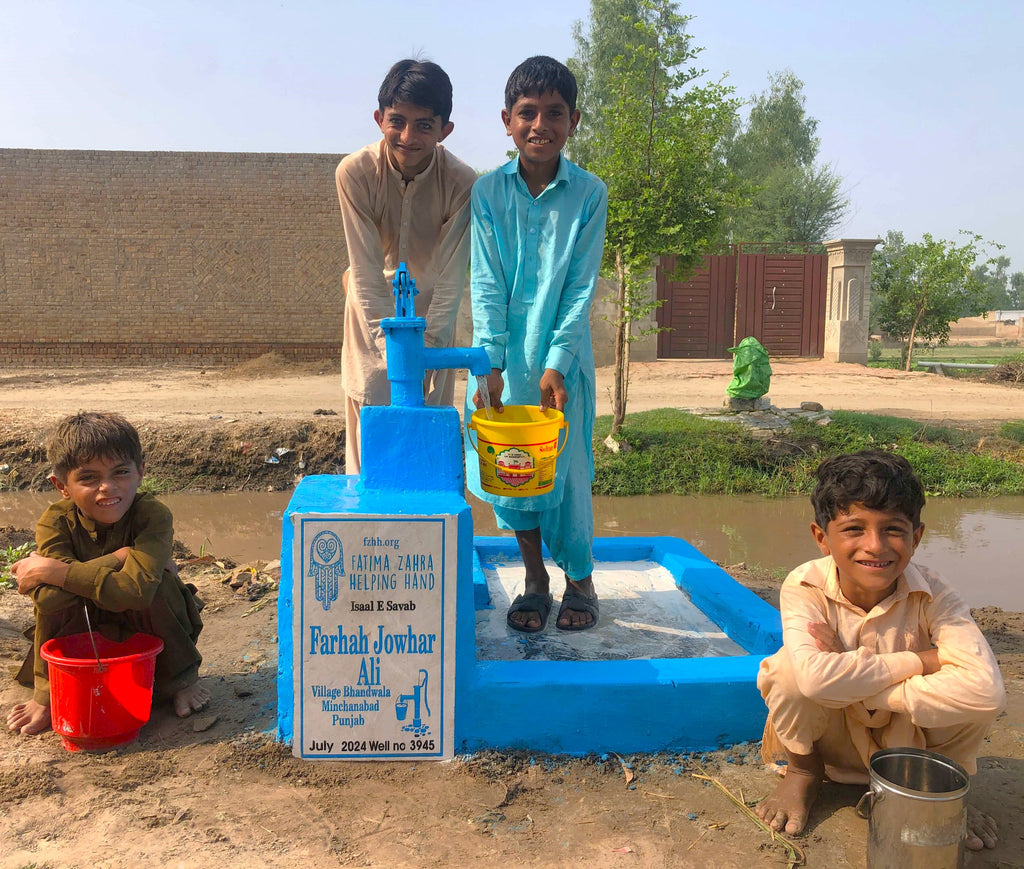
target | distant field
[{"x": 991, "y": 354}]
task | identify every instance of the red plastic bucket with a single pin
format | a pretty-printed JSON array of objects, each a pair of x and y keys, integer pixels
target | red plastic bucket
[{"x": 96, "y": 705}]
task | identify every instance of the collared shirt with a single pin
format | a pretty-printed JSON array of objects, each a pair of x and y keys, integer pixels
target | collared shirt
[
  {"x": 423, "y": 223},
  {"x": 881, "y": 674},
  {"x": 534, "y": 270},
  {"x": 65, "y": 534}
]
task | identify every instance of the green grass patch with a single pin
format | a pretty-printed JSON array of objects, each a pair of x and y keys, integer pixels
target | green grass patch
[
  {"x": 1013, "y": 431},
  {"x": 156, "y": 485},
  {"x": 989, "y": 354},
  {"x": 8, "y": 555},
  {"x": 674, "y": 452}
]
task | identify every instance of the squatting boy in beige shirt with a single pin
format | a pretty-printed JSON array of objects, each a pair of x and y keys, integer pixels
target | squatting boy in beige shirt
[
  {"x": 403, "y": 199},
  {"x": 877, "y": 652}
]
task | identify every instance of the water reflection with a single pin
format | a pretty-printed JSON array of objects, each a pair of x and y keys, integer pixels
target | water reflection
[{"x": 977, "y": 543}]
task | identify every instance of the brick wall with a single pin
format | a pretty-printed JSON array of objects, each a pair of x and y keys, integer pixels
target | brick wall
[{"x": 168, "y": 256}]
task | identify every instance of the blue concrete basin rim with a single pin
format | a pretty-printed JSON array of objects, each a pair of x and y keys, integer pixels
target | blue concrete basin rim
[{"x": 629, "y": 705}]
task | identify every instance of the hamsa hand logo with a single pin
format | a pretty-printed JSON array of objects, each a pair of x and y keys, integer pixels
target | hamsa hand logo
[{"x": 326, "y": 567}]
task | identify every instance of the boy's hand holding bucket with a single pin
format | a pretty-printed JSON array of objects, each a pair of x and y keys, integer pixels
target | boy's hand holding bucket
[
  {"x": 552, "y": 390},
  {"x": 495, "y": 386}
]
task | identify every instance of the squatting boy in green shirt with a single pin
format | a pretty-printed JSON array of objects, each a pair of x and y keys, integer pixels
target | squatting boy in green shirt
[{"x": 106, "y": 547}]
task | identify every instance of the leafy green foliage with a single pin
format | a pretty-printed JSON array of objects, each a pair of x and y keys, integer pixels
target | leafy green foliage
[
  {"x": 787, "y": 196},
  {"x": 657, "y": 136},
  {"x": 993, "y": 274},
  {"x": 1015, "y": 295},
  {"x": 653, "y": 138},
  {"x": 673, "y": 452},
  {"x": 8, "y": 555},
  {"x": 599, "y": 42},
  {"x": 920, "y": 288}
]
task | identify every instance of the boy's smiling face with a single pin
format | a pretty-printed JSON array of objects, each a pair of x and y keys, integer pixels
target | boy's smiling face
[
  {"x": 871, "y": 549},
  {"x": 411, "y": 132},
  {"x": 540, "y": 125},
  {"x": 103, "y": 488}
]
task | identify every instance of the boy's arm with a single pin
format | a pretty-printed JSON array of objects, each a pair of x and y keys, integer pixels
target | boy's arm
[
  {"x": 572, "y": 321},
  {"x": 967, "y": 682},
  {"x": 827, "y": 640},
  {"x": 489, "y": 290},
  {"x": 45, "y": 577},
  {"x": 123, "y": 580},
  {"x": 452, "y": 260},
  {"x": 835, "y": 678},
  {"x": 367, "y": 284}
]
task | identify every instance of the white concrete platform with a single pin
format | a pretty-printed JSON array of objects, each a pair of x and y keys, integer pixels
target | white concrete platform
[{"x": 644, "y": 614}]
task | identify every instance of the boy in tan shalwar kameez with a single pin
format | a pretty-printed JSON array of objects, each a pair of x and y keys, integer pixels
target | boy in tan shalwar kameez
[
  {"x": 877, "y": 652},
  {"x": 403, "y": 199}
]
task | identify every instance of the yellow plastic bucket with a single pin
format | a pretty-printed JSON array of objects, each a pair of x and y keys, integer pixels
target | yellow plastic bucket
[{"x": 517, "y": 448}]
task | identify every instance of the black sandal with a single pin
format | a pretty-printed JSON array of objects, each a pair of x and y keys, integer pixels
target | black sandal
[{"x": 534, "y": 602}]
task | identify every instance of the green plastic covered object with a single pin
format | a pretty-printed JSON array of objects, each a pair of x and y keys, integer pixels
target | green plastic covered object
[{"x": 751, "y": 373}]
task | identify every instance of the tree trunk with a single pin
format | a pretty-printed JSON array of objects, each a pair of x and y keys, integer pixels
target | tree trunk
[
  {"x": 910, "y": 341},
  {"x": 621, "y": 350}
]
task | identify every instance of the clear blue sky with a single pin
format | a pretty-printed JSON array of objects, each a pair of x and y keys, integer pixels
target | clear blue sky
[{"x": 919, "y": 103}]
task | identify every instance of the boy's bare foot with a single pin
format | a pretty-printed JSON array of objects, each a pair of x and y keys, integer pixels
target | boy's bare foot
[
  {"x": 789, "y": 807},
  {"x": 29, "y": 718},
  {"x": 981, "y": 830},
  {"x": 194, "y": 698}
]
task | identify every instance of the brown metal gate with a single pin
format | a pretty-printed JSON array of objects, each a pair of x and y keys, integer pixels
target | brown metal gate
[
  {"x": 697, "y": 315},
  {"x": 780, "y": 300},
  {"x": 777, "y": 298}
]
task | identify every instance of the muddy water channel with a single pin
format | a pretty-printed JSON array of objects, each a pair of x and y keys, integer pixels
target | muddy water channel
[{"x": 977, "y": 543}]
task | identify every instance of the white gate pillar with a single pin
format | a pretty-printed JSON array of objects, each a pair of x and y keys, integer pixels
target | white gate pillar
[{"x": 848, "y": 303}]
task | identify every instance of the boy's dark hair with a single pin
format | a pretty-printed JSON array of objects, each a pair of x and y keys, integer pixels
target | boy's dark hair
[
  {"x": 540, "y": 75},
  {"x": 420, "y": 82},
  {"x": 874, "y": 478},
  {"x": 80, "y": 438}
]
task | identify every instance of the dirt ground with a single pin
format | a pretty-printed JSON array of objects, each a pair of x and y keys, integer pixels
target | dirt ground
[
  {"x": 272, "y": 388},
  {"x": 217, "y": 790},
  {"x": 264, "y": 424}
]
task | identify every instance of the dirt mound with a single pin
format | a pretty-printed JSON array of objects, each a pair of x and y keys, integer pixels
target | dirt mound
[
  {"x": 274, "y": 364},
  {"x": 207, "y": 455},
  {"x": 12, "y": 538}
]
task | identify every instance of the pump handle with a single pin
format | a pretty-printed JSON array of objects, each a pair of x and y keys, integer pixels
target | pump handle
[{"x": 404, "y": 288}]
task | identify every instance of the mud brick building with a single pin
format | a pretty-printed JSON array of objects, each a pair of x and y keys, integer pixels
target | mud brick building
[{"x": 168, "y": 256}]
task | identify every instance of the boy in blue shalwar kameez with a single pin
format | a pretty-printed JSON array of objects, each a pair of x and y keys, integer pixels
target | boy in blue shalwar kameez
[{"x": 538, "y": 225}]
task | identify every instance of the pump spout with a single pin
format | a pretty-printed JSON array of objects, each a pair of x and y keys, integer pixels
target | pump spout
[{"x": 473, "y": 358}]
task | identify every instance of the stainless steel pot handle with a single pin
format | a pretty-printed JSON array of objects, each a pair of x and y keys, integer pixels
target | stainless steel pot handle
[{"x": 870, "y": 797}]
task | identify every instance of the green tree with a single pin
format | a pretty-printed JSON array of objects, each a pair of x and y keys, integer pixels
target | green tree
[
  {"x": 654, "y": 143},
  {"x": 599, "y": 41},
  {"x": 997, "y": 282},
  {"x": 788, "y": 197},
  {"x": 920, "y": 288},
  {"x": 1015, "y": 296}
]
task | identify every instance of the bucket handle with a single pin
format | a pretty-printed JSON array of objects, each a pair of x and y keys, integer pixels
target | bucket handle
[
  {"x": 866, "y": 803},
  {"x": 92, "y": 639},
  {"x": 563, "y": 427}
]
